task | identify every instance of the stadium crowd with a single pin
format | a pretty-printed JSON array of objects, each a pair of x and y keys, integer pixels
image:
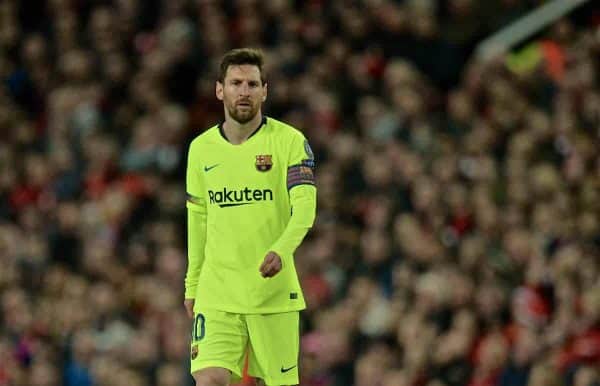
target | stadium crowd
[{"x": 458, "y": 232}]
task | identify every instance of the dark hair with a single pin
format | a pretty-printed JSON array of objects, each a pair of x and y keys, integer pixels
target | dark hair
[{"x": 240, "y": 56}]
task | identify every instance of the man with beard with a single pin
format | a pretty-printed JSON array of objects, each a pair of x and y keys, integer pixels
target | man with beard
[{"x": 251, "y": 200}]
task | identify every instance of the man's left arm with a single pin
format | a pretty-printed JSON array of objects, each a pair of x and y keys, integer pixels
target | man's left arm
[{"x": 303, "y": 198}]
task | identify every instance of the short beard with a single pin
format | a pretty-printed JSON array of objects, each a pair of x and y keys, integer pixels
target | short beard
[{"x": 244, "y": 117}]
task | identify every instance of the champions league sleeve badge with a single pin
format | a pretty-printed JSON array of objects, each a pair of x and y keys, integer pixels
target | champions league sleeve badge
[{"x": 308, "y": 150}]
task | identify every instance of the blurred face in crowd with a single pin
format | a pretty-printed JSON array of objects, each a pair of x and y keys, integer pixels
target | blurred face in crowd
[
  {"x": 43, "y": 374},
  {"x": 586, "y": 376},
  {"x": 545, "y": 375},
  {"x": 242, "y": 92},
  {"x": 395, "y": 378},
  {"x": 170, "y": 375}
]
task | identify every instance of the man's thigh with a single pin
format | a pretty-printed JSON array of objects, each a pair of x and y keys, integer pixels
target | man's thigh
[
  {"x": 274, "y": 346},
  {"x": 219, "y": 339}
]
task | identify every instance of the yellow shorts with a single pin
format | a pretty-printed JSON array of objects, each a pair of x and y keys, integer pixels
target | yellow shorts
[{"x": 221, "y": 339}]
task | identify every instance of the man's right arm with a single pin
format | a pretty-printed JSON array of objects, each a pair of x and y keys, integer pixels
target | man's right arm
[{"x": 196, "y": 229}]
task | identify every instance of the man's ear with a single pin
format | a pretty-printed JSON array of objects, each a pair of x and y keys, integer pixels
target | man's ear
[
  {"x": 264, "y": 98},
  {"x": 219, "y": 90}
]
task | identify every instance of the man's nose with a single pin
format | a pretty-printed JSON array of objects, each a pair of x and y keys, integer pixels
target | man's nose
[{"x": 245, "y": 89}]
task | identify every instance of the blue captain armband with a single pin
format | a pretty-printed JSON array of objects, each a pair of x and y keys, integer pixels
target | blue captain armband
[{"x": 301, "y": 174}]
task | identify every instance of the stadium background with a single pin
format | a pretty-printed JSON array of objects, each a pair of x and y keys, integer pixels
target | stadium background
[{"x": 458, "y": 234}]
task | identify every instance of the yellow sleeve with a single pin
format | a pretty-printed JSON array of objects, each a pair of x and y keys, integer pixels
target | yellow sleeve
[
  {"x": 196, "y": 224},
  {"x": 303, "y": 197}
]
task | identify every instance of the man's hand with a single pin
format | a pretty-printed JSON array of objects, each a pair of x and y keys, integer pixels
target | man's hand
[
  {"x": 189, "y": 307},
  {"x": 271, "y": 265}
]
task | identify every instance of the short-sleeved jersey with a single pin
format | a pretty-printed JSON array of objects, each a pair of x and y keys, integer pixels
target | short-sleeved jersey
[{"x": 244, "y": 191}]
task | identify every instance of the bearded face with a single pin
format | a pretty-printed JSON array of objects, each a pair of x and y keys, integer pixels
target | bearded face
[{"x": 242, "y": 92}]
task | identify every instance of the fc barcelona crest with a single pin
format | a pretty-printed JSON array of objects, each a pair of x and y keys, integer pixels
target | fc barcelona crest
[
  {"x": 264, "y": 162},
  {"x": 194, "y": 352}
]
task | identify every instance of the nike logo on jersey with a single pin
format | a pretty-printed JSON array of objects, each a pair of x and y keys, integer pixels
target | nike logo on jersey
[
  {"x": 283, "y": 370},
  {"x": 207, "y": 168}
]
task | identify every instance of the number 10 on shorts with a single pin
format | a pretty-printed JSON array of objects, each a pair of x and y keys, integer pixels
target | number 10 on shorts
[{"x": 198, "y": 329}]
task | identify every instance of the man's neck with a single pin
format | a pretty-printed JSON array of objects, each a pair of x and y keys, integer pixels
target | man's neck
[{"x": 238, "y": 133}]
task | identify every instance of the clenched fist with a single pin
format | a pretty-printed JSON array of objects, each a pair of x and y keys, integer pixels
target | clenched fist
[{"x": 271, "y": 265}]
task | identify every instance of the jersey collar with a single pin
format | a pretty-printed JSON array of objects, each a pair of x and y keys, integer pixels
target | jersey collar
[{"x": 263, "y": 122}]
